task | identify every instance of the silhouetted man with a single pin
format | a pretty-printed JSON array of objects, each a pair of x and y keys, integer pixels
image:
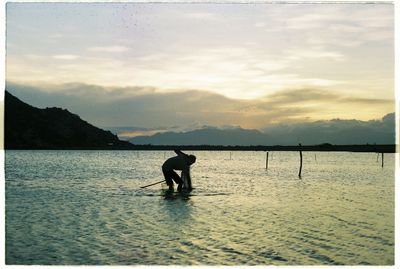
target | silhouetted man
[{"x": 180, "y": 162}]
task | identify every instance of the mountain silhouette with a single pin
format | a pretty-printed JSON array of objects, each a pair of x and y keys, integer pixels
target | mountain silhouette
[
  {"x": 336, "y": 131},
  {"x": 28, "y": 127},
  {"x": 206, "y": 136}
]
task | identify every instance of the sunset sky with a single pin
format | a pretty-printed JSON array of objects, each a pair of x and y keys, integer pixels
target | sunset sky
[{"x": 251, "y": 65}]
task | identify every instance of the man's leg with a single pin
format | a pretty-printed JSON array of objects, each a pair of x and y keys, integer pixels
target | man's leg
[
  {"x": 177, "y": 180},
  {"x": 168, "y": 180}
]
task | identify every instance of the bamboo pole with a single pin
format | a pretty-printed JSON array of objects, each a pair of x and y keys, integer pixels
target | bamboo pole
[
  {"x": 301, "y": 160},
  {"x": 152, "y": 184},
  {"x": 266, "y": 161},
  {"x": 382, "y": 159}
]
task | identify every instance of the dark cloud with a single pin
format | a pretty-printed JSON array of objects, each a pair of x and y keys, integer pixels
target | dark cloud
[
  {"x": 294, "y": 96},
  {"x": 149, "y": 107},
  {"x": 366, "y": 101},
  {"x": 136, "y": 106}
]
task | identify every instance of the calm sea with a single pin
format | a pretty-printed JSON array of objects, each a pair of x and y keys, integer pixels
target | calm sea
[{"x": 87, "y": 207}]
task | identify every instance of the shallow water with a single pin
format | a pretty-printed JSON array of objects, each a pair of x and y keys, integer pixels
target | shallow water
[{"x": 87, "y": 207}]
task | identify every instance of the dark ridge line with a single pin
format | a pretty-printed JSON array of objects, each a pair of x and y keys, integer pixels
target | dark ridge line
[{"x": 317, "y": 148}]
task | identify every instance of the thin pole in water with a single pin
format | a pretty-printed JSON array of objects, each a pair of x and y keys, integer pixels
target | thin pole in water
[
  {"x": 301, "y": 160},
  {"x": 266, "y": 161},
  {"x": 382, "y": 159}
]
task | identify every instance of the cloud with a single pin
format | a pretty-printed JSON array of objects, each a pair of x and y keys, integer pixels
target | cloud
[
  {"x": 128, "y": 134},
  {"x": 312, "y": 47},
  {"x": 111, "y": 49},
  {"x": 65, "y": 57},
  {"x": 335, "y": 25},
  {"x": 242, "y": 72},
  {"x": 265, "y": 47},
  {"x": 154, "y": 109},
  {"x": 260, "y": 24},
  {"x": 33, "y": 56},
  {"x": 304, "y": 105},
  {"x": 320, "y": 97},
  {"x": 56, "y": 36},
  {"x": 200, "y": 15},
  {"x": 366, "y": 101},
  {"x": 313, "y": 52},
  {"x": 297, "y": 96}
]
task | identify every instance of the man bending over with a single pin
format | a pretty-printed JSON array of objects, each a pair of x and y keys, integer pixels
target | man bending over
[{"x": 180, "y": 162}]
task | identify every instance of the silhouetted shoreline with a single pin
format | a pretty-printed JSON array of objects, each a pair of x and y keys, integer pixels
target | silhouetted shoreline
[{"x": 323, "y": 147}]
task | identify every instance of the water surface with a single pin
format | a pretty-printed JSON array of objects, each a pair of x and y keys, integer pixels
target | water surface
[{"x": 87, "y": 207}]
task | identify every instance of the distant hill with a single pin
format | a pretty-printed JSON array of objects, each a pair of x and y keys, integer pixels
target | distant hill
[
  {"x": 339, "y": 132},
  {"x": 28, "y": 127},
  {"x": 336, "y": 131},
  {"x": 206, "y": 136}
]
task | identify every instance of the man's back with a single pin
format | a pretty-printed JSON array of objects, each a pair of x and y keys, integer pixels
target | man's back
[{"x": 176, "y": 163}]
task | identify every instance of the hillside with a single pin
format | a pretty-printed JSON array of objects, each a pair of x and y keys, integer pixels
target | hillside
[{"x": 28, "y": 127}]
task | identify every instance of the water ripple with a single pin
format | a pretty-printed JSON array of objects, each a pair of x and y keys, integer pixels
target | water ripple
[{"x": 86, "y": 208}]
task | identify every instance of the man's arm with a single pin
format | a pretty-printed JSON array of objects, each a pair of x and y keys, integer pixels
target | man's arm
[{"x": 180, "y": 153}]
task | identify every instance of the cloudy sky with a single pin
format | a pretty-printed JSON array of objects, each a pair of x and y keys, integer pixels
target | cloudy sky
[{"x": 126, "y": 64}]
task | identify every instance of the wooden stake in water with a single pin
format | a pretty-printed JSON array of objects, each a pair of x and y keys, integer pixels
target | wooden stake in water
[
  {"x": 301, "y": 160},
  {"x": 266, "y": 161},
  {"x": 382, "y": 159}
]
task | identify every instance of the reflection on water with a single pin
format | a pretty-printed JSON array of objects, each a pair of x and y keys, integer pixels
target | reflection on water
[
  {"x": 87, "y": 207},
  {"x": 178, "y": 206}
]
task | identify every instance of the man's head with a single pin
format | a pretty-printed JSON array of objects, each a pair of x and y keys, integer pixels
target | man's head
[{"x": 192, "y": 159}]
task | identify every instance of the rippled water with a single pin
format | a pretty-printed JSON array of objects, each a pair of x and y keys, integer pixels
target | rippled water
[{"x": 86, "y": 207}]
